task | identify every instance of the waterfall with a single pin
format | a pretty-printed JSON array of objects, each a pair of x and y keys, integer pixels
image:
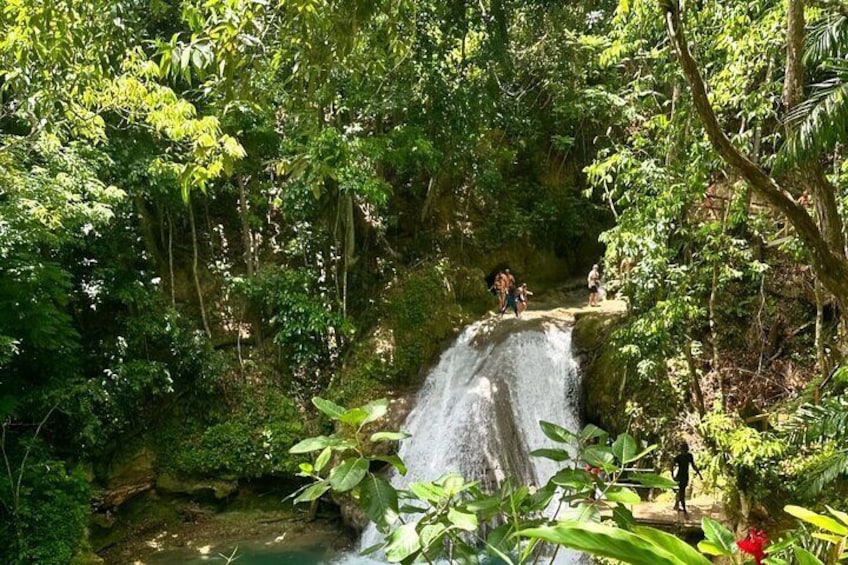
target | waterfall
[{"x": 478, "y": 411}]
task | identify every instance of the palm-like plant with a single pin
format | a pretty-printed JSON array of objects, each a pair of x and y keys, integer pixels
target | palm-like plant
[
  {"x": 817, "y": 425},
  {"x": 821, "y": 121}
]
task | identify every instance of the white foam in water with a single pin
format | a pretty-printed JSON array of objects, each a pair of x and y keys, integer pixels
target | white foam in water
[{"x": 478, "y": 411}]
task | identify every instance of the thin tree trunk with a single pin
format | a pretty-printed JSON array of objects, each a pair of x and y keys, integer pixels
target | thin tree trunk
[
  {"x": 694, "y": 379},
  {"x": 821, "y": 355},
  {"x": 194, "y": 270},
  {"x": 171, "y": 260},
  {"x": 349, "y": 248},
  {"x": 246, "y": 233}
]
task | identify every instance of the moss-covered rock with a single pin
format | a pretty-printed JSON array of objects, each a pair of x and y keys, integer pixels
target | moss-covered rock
[
  {"x": 604, "y": 378},
  {"x": 419, "y": 312}
]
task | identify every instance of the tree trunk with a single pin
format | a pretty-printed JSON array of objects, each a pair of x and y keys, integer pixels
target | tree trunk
[
  {"x": 194, "y": 270},
  {"x": 246, "y": 233},
  {"x": 171, "y": 260},
  {"x": 694, "y": 379}
]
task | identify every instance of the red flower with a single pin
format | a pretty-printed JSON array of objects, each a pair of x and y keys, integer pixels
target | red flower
[
  {"x": 593, "y": 470},
  {"x": 754, "y": 544}
]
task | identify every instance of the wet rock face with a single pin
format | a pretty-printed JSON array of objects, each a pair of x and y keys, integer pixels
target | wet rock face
[
  {"x": 129, "y": 478},
  {"x": 603, "y": 377}
]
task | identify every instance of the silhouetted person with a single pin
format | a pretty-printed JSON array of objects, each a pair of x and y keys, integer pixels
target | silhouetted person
[{"x": 680, "y": 472}]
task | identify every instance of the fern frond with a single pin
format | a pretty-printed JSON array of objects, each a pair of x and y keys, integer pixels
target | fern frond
[
  {"x": 819, "y": 122},
  {"x": 828, "y": 39},
  {"x": 817, "y": 423},
  {"x": 826, "y": 473}
]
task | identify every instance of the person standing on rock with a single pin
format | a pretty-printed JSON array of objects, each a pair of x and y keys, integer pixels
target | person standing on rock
[
  {"x": 521, "y": 298},
  {"x": 501, "y": 287},
  {"x": 680, "y": 473},
  {"x": 594, "y": 282}
]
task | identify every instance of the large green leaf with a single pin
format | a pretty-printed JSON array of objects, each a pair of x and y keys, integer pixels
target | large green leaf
[
  {"x": 719, "y": 539},
  {"x": 322, "y": 459},
  {"x": 349, "y": 474},
  {"x": 553, "y": 454},
  {"x": 652, "y": 480},
  {"x": 388, "y": 436},
  {"x": 428, "y": 491},
  {"x": 462, "y": 520},
  {"x": 599, "y": 456},
  {"x": 329, "y": 408},
  {"x": 379, "y": 501},
  {"x": 431, "y": 535},
  {"x": 392, "y": 460},
  {"x": 573, "y": 478},
  {"x": 672, "y": 544},
  {"x": 355, "y": 417},
  {"x": 804, "y": 557},
  {"x": 402, "y": 543},
  {"x": 313, "y": 444},
  {"x": 375, "y": 410},
  {"x": 312, "y": 492},
  {"x": 624, "y": 448},
  {"x": 818, "y": 520},
  {"x": 591, "y": 431},
  {"x": 623, "y": 495},
  {"x": 604, "y": 541},
  {"x": 557, "y": 433}
]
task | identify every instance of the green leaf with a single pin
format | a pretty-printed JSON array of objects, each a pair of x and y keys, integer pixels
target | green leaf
[
  {"x": 462, "y": 520},
  {"x": 599, "y": 456},
  {"x": 392, "y": 460},
  {"x": 331, "y": 409},
  {"x": 372, "y": 549},
  {"x": 672, "y": 544},
  {"x": 379, "y": 501},
  {"x": 804, "y": 557},
  {"x": 623, "y": 517},
  {"x": 349, "y": 474},
  {"x": 720, "y": 536},
  {"x": 553, "y": 454},
  {"x": 355, "y": 417},
  {"x": 453, "y": 484},
  {"x": 830, "y": 538},
  {"x": 557, "y": 433},
  {"x": 652, "y": 480},
  {"x": 624, "y": 448},
  {"x": 323, "y": 459},
  {"x": 313, "y": 444},
  {"x": 432, "y": 535},
  {"x": 591, "y": 431},
  {"x": 623, "y": 495},
  {"x": 498, "y": 542},
  {"x": 484, "y": 504},
  {"x": 389, "y": 436},
  {"x": 573, "y": 478},
  {"x": 711, "y": 548},
  {"x": 312, "y": 492},
  {"x": 402, "y": 543},
  {"x": 375, "y": 410},
  {"x": 602, "y": 540},
  {"x": 428, "y": 491},
  {"x": 818, "y": 520}
]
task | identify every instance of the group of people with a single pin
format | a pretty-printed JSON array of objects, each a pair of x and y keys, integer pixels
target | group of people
[{"x": 510, "y": 296}]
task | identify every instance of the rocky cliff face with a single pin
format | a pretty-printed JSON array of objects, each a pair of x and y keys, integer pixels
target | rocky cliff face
[{"x": 604, "y": 380}]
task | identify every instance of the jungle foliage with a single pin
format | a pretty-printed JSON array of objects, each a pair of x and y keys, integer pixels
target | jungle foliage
[{"x": 212, "y": 211}]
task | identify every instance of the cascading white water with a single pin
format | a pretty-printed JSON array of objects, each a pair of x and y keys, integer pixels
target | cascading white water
[{"x": 479, "y": 409}]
